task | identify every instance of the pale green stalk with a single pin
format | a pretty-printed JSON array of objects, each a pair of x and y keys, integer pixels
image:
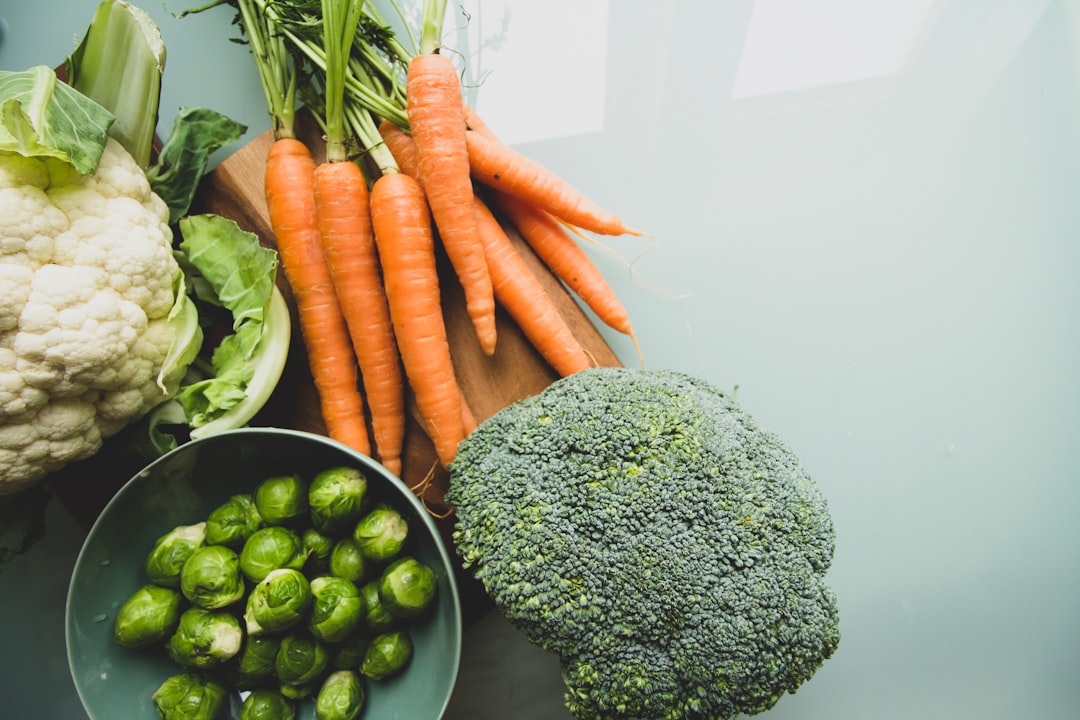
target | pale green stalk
[
  {"x": 276, "y": 74},
  {"x": 367, "y": 134},
  {"x": 340, "y": 18},
  {"x": 355, "y": 90},
  {"x": 119, "y": 64},
  {"x": 431, "y": 27}
]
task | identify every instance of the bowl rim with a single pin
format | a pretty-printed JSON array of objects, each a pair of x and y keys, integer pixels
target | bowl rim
[{"x": 145, "y": 473}]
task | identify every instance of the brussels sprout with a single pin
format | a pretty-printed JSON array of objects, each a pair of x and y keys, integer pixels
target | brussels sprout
[
  {"x": 317, "y": 548},
  {"x": 149, "y": 616},
  {"x": 407, "y": 587},
  {"x": 255, "y": 661},
  {"x": 278, "y": 602},
  {"x": 233, "y": 522},
  {"x": 171, "y": 551},
  {"x": 337, "y": 498},
  {"x": 341, "y": 697},
  {"x": 267, "y": 705},
  {"x": 381, "y": 533},
  {"x": 211, "y": 577},
  {"x": 376, "y": 617},
  {"x": 205, "y": 638},
  {"x": 301, "y": 659},
  {"x": 191, "y": 696},
  {"x": 347, "y": 561},
  {"x": 271, "y": 548},
  {"x": 386, "y": 655},
  {"x": 282, "y": 500},
  {"x": 335, "y": 608},
  {"x": 347, "y": 654}
]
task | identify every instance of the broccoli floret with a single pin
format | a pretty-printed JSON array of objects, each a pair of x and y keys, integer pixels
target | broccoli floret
[{"x": 643, "y": 527}]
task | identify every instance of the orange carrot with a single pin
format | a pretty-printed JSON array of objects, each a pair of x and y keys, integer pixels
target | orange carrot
[
  {"x": 341, "y": 196},
  {"x": 501, "y": 167},
  {"x": 564, "y": 257},
  {"x": 406, "y": 246},
  {"x": 290, "y": 200},
  {"x": 516, "y": 287},
  {"x": 402, "y": 146},
  {"x": 468, "y": 421},
  {"x": 518, "y": 290},
  {"x": 475, "y": 122},
  {"x": 437, "y": 123},
  {"x": 562, "y": 254},
  {"x": 344, "y": 225}
]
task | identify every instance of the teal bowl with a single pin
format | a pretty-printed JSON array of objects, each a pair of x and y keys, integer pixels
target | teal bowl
[{"x": 183, "y": 487}]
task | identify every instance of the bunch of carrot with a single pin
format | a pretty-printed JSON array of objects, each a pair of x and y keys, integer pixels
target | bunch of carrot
[{"x": 357, "y": 234}]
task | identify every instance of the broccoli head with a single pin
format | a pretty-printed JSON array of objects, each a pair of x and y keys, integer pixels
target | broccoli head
[{"x": 641, "y": 525}]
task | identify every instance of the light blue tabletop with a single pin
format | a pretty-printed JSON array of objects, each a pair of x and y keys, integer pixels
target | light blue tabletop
[{"x": 863, "y": 215}]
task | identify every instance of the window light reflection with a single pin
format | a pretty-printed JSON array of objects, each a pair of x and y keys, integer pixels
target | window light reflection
[
  {"x": 520, "y": 55},
  {"x": 796, "y": 44}
]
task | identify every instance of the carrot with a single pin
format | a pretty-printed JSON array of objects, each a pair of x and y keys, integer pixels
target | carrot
[
  {"x": 561, "y": 253},
  {"x": 519, "y": 291},
  {"x": 437, "y": 123},
  {"x": 468, "y": 420},
  {"x": 344, "y": 224},
  {"x": 516, "y": 287},
  {"x": 402, "y": 146},
  {"x": 563, "y": 256},
  {"x": 500, "y": 166},
  {"x": 475, "y": 122},
  {"x": 290, "y": 199},
  {"x": 406, "y": 245},
  {"x": 288, "y": 184},
  {"x": 342, "y": 198}
]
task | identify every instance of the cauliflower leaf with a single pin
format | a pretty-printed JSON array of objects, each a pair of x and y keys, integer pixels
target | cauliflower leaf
[
  {"x": 43, "y": 117},
  {"x": 231, "y": 270}
]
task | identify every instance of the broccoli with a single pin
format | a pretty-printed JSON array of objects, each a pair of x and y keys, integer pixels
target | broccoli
[{"x": 641, "y": 525}]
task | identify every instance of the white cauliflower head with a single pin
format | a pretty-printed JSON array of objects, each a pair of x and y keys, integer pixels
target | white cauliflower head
[{"x": 88, "y": 283}]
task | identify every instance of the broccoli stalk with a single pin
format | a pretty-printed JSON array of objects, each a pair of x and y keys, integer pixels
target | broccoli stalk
[{"x": 643, "y": 527}]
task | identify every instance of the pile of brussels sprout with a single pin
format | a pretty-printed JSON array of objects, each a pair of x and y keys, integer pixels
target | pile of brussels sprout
[{"x": 298, "y": 590}]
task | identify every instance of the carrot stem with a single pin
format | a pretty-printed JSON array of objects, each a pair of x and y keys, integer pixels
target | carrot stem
[
  {"x": 276, "y": 73},
  {"x": 357, "y": 90},
  {"x": 431, "y": 26},
  {"x": 339, "y": 27}
]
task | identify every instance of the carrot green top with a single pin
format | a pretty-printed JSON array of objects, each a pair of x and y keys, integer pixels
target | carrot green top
[
  {"x": 339, "y": 19},
  {"x": 431, "y": 28}
]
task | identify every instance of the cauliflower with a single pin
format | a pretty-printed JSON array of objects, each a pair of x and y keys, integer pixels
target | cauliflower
[{"x": 95, "y": 326}]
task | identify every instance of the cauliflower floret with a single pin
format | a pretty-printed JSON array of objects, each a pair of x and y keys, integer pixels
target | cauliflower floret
[
  {"x": 87, "y": 282},
  {"x": 77, "y": 328},
  {"x": 29, "y": 225},
  {"x": 138, "y": 387},
  {"x": 17, "y": 398},
  {"x": 14, "y": 290},
  {"x": 116, "y": 223}
]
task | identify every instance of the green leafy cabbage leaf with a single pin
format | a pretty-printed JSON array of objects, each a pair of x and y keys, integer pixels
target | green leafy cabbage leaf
[
  {"x": 196, "y": 134},
  {"x": 40, "y": 116},
  {"x": 229, "y": 270}
]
